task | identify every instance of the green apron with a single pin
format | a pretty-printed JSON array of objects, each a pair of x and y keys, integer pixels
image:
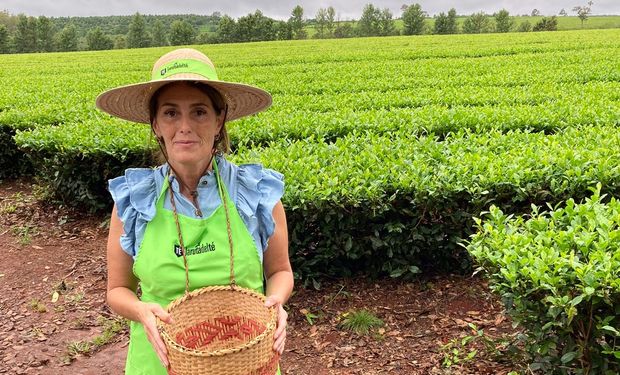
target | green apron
[{"x": 159, "y": 265}]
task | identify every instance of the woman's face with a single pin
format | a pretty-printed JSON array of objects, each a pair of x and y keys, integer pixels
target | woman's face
[{"x": 187, "y": 122}]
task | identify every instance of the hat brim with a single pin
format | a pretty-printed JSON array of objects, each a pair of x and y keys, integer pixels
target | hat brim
[{"x": 131, "y": 102}]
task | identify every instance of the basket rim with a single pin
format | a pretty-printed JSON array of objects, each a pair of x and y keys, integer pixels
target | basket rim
[{"x": 269, "y": 329}]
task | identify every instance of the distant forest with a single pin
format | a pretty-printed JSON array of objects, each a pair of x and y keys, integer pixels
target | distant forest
[
  {"x": 119, "y": 25},
  {"x": 23, "y": 34}
]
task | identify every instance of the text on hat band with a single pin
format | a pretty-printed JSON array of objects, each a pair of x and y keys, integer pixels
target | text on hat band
[{"x": 185, "y": 66}]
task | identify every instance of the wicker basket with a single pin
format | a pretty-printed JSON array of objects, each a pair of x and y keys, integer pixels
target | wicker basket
[{"x": 220, "y": 330}]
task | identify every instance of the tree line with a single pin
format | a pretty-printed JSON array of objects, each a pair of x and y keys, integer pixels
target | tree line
[{"x": 21, "y": 33}]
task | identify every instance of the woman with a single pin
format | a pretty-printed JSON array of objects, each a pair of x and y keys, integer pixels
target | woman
[{"x": 174, "y": 212}]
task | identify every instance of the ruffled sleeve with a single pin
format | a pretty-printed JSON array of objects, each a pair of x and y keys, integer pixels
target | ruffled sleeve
[
  {"x": 134, "y": 194},
  {"x": 258, "y": 192}
]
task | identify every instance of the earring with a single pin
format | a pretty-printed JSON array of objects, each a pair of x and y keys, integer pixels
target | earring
[{"x": 217, "y": 138}]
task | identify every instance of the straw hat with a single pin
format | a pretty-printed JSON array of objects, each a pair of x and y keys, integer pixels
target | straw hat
[{"x": 131, "y": 102}]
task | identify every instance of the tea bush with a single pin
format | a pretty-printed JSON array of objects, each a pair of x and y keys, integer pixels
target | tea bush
[
  {"x": 74, "y": 161},
  {"x": 383, "y": 204},
  {"x": 558, "y": 273},
  {"x": 327, "y": 89}
]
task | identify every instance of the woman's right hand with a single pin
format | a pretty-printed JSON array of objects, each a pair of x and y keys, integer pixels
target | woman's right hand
[{"x": 147, "y": 313}]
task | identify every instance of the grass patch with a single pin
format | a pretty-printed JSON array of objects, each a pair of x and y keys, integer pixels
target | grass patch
[
  {"x": 8, "y": 209},
  {"x": 75, "y": 348},
  {"x": 465, "y": 349},
  {"x": 24, "y": 233},
  {"x": 13, "y": 203},
  {"x": 111, "y": 327},
  {"x": 79, "y": 323},
  {"x": 361, "y": 322},
  {"x": 74, "y": 298},
  {"x": 37, "y": 306}
]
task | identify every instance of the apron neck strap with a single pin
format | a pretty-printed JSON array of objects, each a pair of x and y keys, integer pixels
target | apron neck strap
[{"x": 225, "y": 200}]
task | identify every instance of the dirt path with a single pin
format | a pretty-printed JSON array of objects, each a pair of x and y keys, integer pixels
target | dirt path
[{"x": 53, "y": 319}]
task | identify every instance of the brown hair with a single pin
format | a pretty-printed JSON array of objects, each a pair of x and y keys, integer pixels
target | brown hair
[{"x": 219, "y": 105}]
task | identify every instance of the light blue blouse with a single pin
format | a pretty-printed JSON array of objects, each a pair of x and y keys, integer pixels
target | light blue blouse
[{"x": 254, "y": 190}]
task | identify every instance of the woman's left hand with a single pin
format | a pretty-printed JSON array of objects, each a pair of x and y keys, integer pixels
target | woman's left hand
[{"x": 280, "y": 334}]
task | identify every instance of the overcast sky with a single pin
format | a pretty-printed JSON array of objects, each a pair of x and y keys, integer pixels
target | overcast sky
[{"x": 281, "y": 9}]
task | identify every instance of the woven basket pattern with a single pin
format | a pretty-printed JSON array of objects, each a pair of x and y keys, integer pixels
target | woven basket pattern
[{"x": 221, "y": 330}]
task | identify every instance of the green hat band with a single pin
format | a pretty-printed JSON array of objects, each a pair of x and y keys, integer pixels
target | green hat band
[{"x": 185, "y": 66}]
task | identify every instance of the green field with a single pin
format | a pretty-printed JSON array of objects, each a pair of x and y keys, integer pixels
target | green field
[
  {"x": 338, "y": 79},
  {"x": 400, "y": 154},
  {"x": 390, "y": 146}
]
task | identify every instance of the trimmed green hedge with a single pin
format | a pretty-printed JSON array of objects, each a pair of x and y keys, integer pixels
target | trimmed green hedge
[
  {"x": 356, "y": 127},
  {"x": 558, "y": 273},
  {"x": 440, "y": 120},
  {"x": 329, "y": 88},
  {"x": 393, "y": 203},
  {"x": 75, "y": 161},
  {"x": 379, "y": 203}
]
